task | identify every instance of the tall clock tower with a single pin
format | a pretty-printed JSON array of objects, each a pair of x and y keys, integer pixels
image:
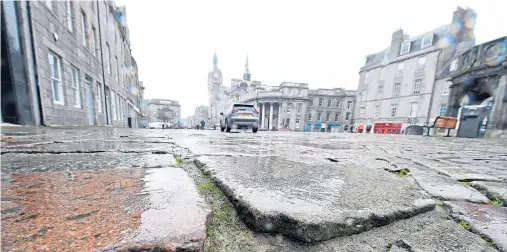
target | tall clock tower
[{"x": 214, "y": 82}]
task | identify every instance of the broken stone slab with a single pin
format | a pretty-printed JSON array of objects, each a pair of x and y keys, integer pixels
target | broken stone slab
[
  {"x": 487, "y": 220},
  {"x": 468, "y": 173},
  {"x": 17, "y": 162},
  {"x": 445, "y": 235},
  {"x": 446, "y": 188},
  {"x": 313, "y": 202},
  {"x": 176, "y": 217},
  {"x": 492, "y": 189},
  {"x": 430, "y": 231}
]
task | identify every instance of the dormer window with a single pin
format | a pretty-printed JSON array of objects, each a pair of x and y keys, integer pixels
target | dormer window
[
  {"x": 405, "y": 48},
  {"x": 427, "y": 41}
]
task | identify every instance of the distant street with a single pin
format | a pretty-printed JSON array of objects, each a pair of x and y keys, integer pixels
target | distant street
[{"x": 110, "y": 189}]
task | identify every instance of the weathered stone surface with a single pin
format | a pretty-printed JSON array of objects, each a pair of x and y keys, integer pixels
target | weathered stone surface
[
  {"x": 313, "y": 202},
  {"x": 91, "y": 146},
  {"x": 176, "y": 216},
  {"x": 18, "y": 162},
  {"x": 70, "y": 210},
  {"x": 469, "y": 173},
  {"x": 446, "y": 188},
  {"x": 430, "y": 231},
  {"x": 493, "y": 190},
  {"x": 82, "y": 210},
  {"x": 487, "y": 220}
]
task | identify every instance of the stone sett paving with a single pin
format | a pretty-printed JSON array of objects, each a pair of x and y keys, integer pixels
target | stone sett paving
[
  {"x": 77, "y": 211},
  {"x": 92, "y": 206},
  {"x": 96, "y": 189},
  {"x": 277, "y": 179}
]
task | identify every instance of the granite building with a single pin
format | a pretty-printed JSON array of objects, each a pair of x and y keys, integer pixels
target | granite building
[
  {"x": 292, "y": 106},
  {"x": 171, "y": 109},
  {"x": 71, "y": 64},
  {"x": 201, "y": 113},
  {"x": 408, "y": 82}
]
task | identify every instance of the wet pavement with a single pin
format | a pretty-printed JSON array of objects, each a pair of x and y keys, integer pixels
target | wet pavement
[
  {"x": 106, "y": 189},
  {"x": 100, "y": 189}
]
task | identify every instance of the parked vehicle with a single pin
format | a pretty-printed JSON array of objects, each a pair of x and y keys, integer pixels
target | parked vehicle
[
  {"x": 158, "y": 125},
  {"x": 240, "y": 116}
]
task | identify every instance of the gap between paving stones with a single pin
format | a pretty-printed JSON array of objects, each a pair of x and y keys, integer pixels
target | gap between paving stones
[
  {"x": 486, "y": 232},
  {"x": 83, "y": 152}
]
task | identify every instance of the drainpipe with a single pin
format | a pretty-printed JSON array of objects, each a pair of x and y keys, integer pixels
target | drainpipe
[
  {"x": 102, "y": 62},
  {"x": 36, "y": 96},
  {"x": 433, "y": 91}
]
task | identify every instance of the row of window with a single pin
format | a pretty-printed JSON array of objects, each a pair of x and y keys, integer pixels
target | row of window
[
  {"x": 320, "y": 103},
  {"x": 416, "y": 89},
  {"x": 92, "y": 43},
  {"x": 118, "y": 103},
  {"x": 293, "y": 91},
  {"x": 426, "y": 42},
  {"x": 420, "y": 66},
  {"x": 58, "y": 86},
  {"x": 118, "y": 107},
  {"x": 413, "y": 110},
  {"x": 328, "y": 116},
  {"x": 298, "y": 108}
]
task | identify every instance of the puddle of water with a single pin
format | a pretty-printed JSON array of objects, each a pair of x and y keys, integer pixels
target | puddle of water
[{"x": 176, "y": 214}]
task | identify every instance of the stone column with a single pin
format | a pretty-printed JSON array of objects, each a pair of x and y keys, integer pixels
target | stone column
[
  {"x": 293, "y": 111},
  {"x": 271, "y": 115},
  {"x": 280, "y": 116},
  {"x": 262, "y": 115},
  {"x": 304, "y": 115}
]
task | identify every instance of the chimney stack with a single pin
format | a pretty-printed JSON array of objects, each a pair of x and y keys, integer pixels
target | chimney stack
[
  {"x": 458, "y": 14},
  {"x": 396, "y": 41}
]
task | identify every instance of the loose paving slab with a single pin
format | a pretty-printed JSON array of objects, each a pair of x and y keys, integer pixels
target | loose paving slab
[
  {"x": 20, "y": 162},
  {"x": 313, "y": 202},
  {"x": 425, "y": 232},
  {"x": 494, "y": 190},
  {"x": 446, "y": 188},
  {"x": 486, "y": 220}
]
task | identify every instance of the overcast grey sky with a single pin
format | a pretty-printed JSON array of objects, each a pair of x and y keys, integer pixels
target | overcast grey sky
[{"x": 322, "y": 43}]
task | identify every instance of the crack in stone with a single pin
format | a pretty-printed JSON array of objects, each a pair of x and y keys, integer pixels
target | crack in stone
[{"x": 82, "y": 152}]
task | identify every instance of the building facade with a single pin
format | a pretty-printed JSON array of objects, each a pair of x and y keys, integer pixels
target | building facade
[
  {"x": 73, "y": 64},
  {"x": 293, "y": 106},
  {"x": 408, "y": 82},
  {"x": 157, "y": 110}
]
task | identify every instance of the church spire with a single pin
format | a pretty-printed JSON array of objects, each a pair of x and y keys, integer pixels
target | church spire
[
  {"x": 246, "y": 75},
  {"x": 215, "y": 59}
]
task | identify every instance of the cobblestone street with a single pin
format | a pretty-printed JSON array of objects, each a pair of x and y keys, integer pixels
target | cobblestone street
[{"x": 105, "y": 189}]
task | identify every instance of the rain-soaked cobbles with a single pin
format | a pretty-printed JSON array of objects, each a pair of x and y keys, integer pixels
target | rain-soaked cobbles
[
  {"x": 120, "y": 193},
  {"x": 194, "y": 190}
]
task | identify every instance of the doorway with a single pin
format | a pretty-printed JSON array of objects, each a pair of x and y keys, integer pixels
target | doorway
[{"x": 89, "y": 99}]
